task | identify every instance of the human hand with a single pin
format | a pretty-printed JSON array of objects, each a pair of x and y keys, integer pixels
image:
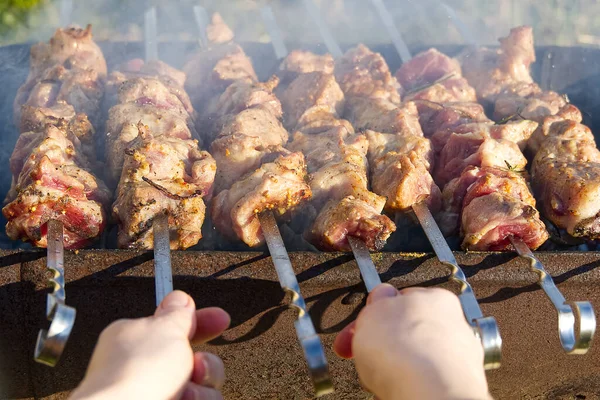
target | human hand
[
  {"x": 151, "y": 358},
  {"x": 414, "y": 344}
]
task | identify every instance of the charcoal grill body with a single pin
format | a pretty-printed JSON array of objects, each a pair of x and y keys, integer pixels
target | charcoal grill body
[{"x": 260, "y": 351}]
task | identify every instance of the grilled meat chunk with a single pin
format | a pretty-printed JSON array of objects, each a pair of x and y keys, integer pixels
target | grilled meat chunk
[
  {"x": 300, "y": 62},
  {"x": 69, "y": 69},
  {"x": 163, "y": 174},
  {"x": 310, "y": 97},
  {"x": 383, "y": 116},
  {"x": 435, "y": 117},
  {"x": 52, "y": 180},
  {"x": 476, "y": 148},
  {"x": 400, "y": 168},
  {"x": 363, "y": 73},
  {"x": 434, "y": 76},
  {"x": 242, "y": 143},
  {"x": 279, "y": 186},
  {"x": 217, "y": 31},
  {"x": 491, "y": 71},
  {"x": 527, "y": 101},
  {"x": 566, "y": 177}
]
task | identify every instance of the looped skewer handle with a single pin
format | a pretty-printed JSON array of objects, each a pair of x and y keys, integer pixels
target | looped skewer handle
[
  {"x": 571, "y": 343},
  {"x": 485, "y": 328},
  {"x": 305, "y": 330},
  {"x": 51, "y": 343}
]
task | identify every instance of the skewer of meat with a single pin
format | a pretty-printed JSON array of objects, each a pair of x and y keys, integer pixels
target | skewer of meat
[
  {"x": 257, "y": 177},
  {"x": 55, "y": 200},
  {"x": 373, "y": 103},
  {"x": 476, "y": 190},
  {"x": 345, "y": 214}
]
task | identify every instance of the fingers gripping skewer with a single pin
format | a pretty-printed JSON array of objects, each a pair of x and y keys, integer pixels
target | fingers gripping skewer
[
  {"x": 485, "y": 328},
  {"x": 567, "y": 326},
  {"x": 359, "y": 248},
  {"x": 307, "y": 335},
  {"x": 51, "y": 343},
  {"x": 570, "y": 341},
  {"x": 163, "y": 275}
]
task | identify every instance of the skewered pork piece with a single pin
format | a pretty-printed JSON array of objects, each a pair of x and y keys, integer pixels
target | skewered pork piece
[
  {"x": 400, "y": 157},
  {"x": 68, "y": 70},
  {"x": 565, "y": 169},
  {"x": 502, "y": 78},
  {"x": 255, "y": 173},
  {"x": 54, "y": 157},
  {"x": 479, "y": 165},
  {"x": 342, "y": 205},
  {"x": 154, "y": 155}
]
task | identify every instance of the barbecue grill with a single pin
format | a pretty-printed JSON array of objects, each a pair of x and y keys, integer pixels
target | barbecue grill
[{"x": 260, "y": 350}]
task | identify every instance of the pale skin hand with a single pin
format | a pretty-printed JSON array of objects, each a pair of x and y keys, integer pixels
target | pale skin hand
[
  {"x": 414, "y": 344},
  {"x": 151, "y": 358}
]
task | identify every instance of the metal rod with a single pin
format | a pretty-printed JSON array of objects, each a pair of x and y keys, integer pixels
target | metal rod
[
  {"x": 151, "y": 34},
  {"x": 485, "y": 328},
  {"x": 51, "y": 343},
  {"x": 328, "y": 38},
  {"x": 365, "y": 263},
  {"x": 393, "y": 32},
  {"x": 305, "y": 330},
  {"x": 163, "y": 275},
  {"x": 66, "y": 12},
  {"x": 270, "y": 22},
  {"x": 569, "y": 340},
  {"x": 201, "y": 17}
]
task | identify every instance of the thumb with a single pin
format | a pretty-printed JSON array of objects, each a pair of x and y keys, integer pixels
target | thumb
[{"x": 178, "y": 310}]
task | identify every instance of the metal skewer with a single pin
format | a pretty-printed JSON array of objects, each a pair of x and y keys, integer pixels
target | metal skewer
[
  {"x": 485, "y": 328},
  {"x": 360, "y": 250},
  {"x": 312, "y": 347},
  {"x": 163, "y": 274},
  {"x": 305, "y": 330},
  {"x": 202, "y": 22},
  {"x": 50, "y": 343},
  {"x": 567, "y": 325}
]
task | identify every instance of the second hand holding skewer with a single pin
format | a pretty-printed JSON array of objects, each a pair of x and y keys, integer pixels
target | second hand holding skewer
[{"x": 485, "y": 328}]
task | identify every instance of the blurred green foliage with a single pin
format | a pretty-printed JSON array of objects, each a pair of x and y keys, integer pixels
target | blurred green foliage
[{"x": 14, "y": 13}]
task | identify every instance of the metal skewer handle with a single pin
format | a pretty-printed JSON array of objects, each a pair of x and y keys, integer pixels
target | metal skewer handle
[
  {"x": 569, "y": 340},
  {"x": 201, "y": 22},
  {"x": 305, "y": 330},
  {"x": 163, "y": 275},
  {"x": 485, "y": 328},
  {"x": 270, "y": 22},
  {"x": 51, "y": 343},
  {"x": 365, "y": 263}
]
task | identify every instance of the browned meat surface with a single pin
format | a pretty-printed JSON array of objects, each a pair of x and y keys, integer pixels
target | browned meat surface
[
  {"x": 434, "y": 76},
  {"x": 400, "y": 158},
  {"x": 52, "y": 179},
  {"x": 303, "y": 62},
  {"x": 476, "y": 149},
  {"x": 238, "y": 97},
  {"x": 400, "y": 168},
  {"x": 278, "y": 186},
  {"x": 342, "y": 203},
  {"x": 383, "y": 116},
  {"x": 566, "y": 177},
  {"x": 211, "y": 71},
  {"x": 363, "y": 73},
  {"x": 162, "y": 174},
  {"x": 69, "y": 69},
  {"x": 491, "y": 71},
  {"x": 527, "y": 101},
  {"x": 218, "y": 31},
  {"x": 243, "y": 141},
  {"x": 151, "y": 94},
  {"x": 310, "y": 96},
  {"x": 435, "y": 117},
  {"x": 349, "y": 216},
  {"x": 569, "y": 112}
]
